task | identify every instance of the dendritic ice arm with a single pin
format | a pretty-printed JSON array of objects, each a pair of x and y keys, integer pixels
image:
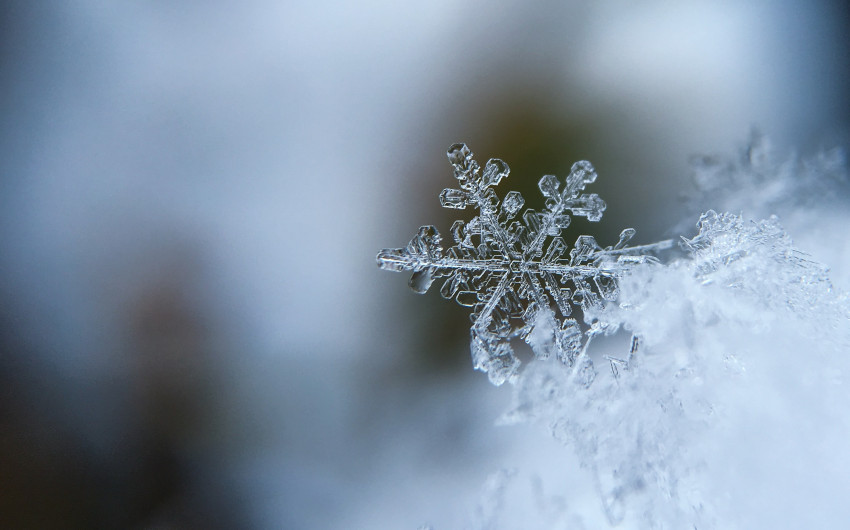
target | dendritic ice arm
[{"x": 514, "y": 271}]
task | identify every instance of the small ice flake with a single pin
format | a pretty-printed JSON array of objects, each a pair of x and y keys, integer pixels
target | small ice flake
[
  {"x": 494, "y": 172},
  {"x": 512, "y": 203},
  {"x": 516, "y": 275},
  {"x": 451, "y": 198}
]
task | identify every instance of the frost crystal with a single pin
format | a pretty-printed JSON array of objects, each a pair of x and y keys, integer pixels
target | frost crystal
[
  {"x": 514, "y": 271},
  {"x": 757, "y": 257}
]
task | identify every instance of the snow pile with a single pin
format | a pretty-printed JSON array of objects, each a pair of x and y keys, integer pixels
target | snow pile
[{"x": 731, "y": 413}]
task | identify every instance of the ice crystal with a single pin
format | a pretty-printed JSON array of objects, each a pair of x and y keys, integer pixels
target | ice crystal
[
  {"x": 757, "y": 257},
  {"x": 515, "y": 271}
]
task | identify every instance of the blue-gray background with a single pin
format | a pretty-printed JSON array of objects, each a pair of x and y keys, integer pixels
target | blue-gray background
[{"x": 194, "y": 332}]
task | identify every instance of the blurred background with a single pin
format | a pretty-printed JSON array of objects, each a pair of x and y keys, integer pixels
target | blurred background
[{"x": 193, "y": 331}]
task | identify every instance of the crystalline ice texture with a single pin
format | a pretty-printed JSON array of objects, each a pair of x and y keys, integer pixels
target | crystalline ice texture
[{"x": 517, "y": 276}]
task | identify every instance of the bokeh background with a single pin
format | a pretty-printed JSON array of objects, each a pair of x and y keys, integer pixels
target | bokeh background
[{"x": 193, "y": 331}]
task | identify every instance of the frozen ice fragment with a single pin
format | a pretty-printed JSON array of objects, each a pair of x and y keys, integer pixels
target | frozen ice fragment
[
  {"x": 555, "y": 250},
  {"x": 452, "y": 285},
  {"x": 512, "y": 203},
  {"x": 452, "y": 198},
  {"x": 607, "y": 285},
  {"x": 458, "y": 232},
  {"x": 581, "y": 174},
  {"x": 532, "y": 221},
  {"x": 625, "y": 236},
  {"x": 542, "y": 337},
  {"x": 488, "y": 199},
  {"x": 586, "y": 373},
  {"x": 502, "y": 365},
  {"x": 459, "y": 155},
  {"x": 474, "y": 226},
  {"x": 421, "y": 280},
  {"x": 590, "y": 206},
  {"x": 467, "y": 298},
  {"x": 561, "y": 221},
  {"x": 585, "y": 246},
  {"x": 393, "y": 259},
  {"x": 426, "y": 242},
  {"x": 494, "y": 172},
  {"x": 548, "y": 185},
  {"x": 569, "y": 341}
]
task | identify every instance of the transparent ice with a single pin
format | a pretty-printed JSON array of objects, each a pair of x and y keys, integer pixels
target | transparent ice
[{"x": 515, "y": 271}]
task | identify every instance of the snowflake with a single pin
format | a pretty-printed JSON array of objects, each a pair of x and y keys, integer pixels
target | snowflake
[{"x": 516, "y": 273}]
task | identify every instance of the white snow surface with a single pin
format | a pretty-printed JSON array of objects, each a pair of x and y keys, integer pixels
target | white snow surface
[{"x": 732, "y": 412}]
